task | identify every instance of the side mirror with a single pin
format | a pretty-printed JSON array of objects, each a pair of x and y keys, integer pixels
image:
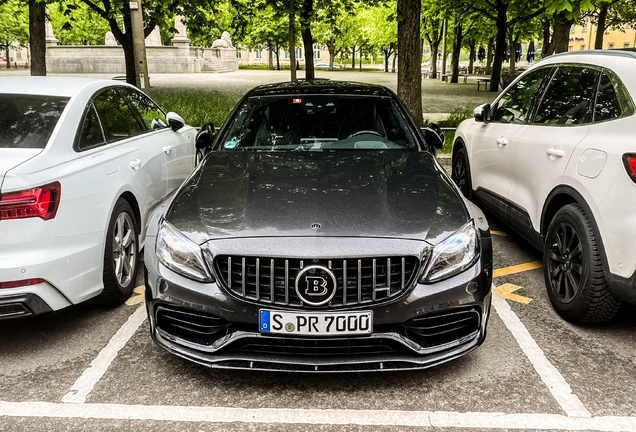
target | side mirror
[
  {"x": 175, "y": 121},
  {"x": 204, "y": 136},
  {"x": 482, "y": 113},
  {"x": 434, "y": 136}
]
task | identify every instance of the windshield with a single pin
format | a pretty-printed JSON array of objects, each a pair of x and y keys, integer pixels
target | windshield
[
  {"x": 318, "y": 122},
  {"x": 27, "y": 121}
]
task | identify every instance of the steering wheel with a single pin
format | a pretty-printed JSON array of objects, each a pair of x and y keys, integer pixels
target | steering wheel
[{"x": 365, "y": 132}]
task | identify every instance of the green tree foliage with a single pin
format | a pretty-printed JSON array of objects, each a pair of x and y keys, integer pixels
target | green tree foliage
[
  {"x": 268, "y": 30},
  {"x": 14, "y": 26},
  {"x": 378, "y": 24},
  {"x": 75, "y": 23}
]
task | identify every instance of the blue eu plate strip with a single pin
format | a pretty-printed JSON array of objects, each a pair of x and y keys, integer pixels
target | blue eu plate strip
[{"x": 265, "y": 321}]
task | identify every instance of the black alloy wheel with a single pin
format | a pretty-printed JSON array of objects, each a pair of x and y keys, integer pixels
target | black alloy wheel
[
  {"x": 460, "y": 173},
  {"x": 573, "y": 269}
]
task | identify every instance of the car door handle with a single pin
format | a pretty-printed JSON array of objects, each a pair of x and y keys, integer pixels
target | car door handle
[
  {"x": 167, "y": 149},
  {"x": 135, "y": 164},
  {"x": 502, "y": 141},
  {"x": 555, "y": 152}
]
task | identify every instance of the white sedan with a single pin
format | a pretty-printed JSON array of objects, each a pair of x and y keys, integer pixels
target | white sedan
[{"x": 82, "y": 164}]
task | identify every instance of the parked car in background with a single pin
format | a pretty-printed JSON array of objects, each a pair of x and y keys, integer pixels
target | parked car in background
[
  {"x": 325, "y": 65},
  {"x": 82, "y": 164},
  {"x": 554, "y": 157},
  {"x": 319, "y": 235}
]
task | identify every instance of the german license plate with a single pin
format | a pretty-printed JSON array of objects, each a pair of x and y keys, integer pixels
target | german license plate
[{"x": 316, "y": 323}]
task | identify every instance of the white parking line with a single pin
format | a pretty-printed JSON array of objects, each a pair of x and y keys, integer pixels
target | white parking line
[
  {"x": 84, "y": 384},
  {"x": 548, "y": 373},
  {"x": 317, "y": 416}
]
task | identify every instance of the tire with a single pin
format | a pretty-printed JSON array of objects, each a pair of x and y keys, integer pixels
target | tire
[
  {"x": 460, "y": 173},
  {"x": 120, "y": 258},
  {"x": 573, "y": 269}
]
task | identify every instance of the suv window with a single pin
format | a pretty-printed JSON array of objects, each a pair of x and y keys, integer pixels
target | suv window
[
  {"x": 152, "y": 116},
  {"x": 569, "y": 97},
  {"x": 90, "y": 134},
  {"x": 118, "y": 119},
  {"x": 514, "y": 105},
  {"x": 613, "y": 100}
]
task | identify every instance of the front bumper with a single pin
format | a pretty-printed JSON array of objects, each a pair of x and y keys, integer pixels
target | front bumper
[{"x": 205, "y": 324}]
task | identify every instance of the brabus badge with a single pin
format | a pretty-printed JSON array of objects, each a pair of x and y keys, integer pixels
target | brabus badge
[{"x": 315, "y": 285}]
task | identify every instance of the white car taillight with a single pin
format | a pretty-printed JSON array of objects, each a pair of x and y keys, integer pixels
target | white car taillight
[
  {"x": 39, "y": 202},
  {"x": 629, "y": 160}
]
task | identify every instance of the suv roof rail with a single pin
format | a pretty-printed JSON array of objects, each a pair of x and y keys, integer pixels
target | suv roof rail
[{"x": 621, "y": 52}]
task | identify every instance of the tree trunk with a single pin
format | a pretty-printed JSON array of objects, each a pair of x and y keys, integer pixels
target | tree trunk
[
  {"x": 386, "y": 59},
  {"x": 37, "y": 38},
  {"x": 360, "y": 58},
  {"x": 270, "y": 60},
  {"x": 513, "y": 54},
  {"x": 489, "y": 55},
  {"x": 547, "y": 40},
  {"x": 500, "y": 45},
  {"x": 433, "y": 68},
  {"x": 7, "y": 57},
  {"x": 292, "y": 41},
  {"x": 394, "y": 60},
  {"x": 472, "y": 57},
  {"x": 457, "y": 46},
  {"x": 278, "y": 59},
  {"x": 409, "y": 72},
  {"x": 308, "y": 40},
  {"x": 353, "y": 57},
  {"x": 600, "y": 28},
  {"x": 561, "y": 34},
  {"x": 331, "y": 59}
]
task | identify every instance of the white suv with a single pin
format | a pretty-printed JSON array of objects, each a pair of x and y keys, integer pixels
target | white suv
[{"x": 554, "y": 157}]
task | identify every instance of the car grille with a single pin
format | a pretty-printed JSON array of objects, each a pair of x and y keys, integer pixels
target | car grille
[
  {"x": 442, "y": 328},
  {"x": 272, "y": 280},
  {"x": 316, "y": 347}
]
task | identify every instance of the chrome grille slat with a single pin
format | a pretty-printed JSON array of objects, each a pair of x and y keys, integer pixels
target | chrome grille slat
[{"x": 271, "y": 281}]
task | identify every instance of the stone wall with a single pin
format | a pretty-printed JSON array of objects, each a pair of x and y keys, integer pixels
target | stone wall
[{"x": 110, "y": 59}]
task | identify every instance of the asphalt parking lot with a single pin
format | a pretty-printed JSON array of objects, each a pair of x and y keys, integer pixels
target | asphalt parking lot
[{"x": 91, "y": 368}]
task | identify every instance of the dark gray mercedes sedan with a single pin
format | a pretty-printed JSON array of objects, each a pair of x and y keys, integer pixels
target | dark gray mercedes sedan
[{"x": 318, "y": 234}]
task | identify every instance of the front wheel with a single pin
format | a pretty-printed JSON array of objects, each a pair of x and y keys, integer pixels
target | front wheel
[
  {"x": 120, "y": 255},
  {"x": 573, "y": 270},
  {"x": 460, "y": 173}
]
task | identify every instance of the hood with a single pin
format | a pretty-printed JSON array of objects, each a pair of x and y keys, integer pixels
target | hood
[
  {"x": 12, "y": 157},
  {"x": 386, "y": 194}
]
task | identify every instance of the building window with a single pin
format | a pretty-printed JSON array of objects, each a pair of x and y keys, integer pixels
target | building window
[
  {"x": 316, "y": 52},
  {"x": 286, "y": 57},
  {"x": 572, "y": 29},
  {"x": 259, "y": 54},
  {"x": 583, "y": 47},
  {"x": 610, "y": 45},
  {"x": 625, "y": 44},
  {"x": 18, "y": 54},
  {"x": 238, "y": 54},
  {"x": 299, "y": 53},
  {"x": 584, "y": 26},
  {"x": 571, "y": 48}
]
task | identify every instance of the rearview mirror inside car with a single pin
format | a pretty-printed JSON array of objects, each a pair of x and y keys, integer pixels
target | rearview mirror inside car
[
  {"x": 204, "y": 136},
  {"x": 482, "y": 113},
  {"x": 434, "y": 136}
]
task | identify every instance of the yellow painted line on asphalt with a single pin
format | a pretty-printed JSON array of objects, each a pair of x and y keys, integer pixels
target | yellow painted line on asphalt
[
  {"x": 517, "y": 269},
  {"x": 500, "y": 233},
  {"x": 136, "y": 299},
  {"x": 506, "y": 291}
]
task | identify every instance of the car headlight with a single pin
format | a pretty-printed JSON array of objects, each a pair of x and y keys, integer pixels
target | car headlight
[
  {"x": 180, "y": 254},
  {"x": 454, "y": 255}
]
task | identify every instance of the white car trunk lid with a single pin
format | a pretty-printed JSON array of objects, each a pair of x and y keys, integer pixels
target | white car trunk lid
[{"x": 12, "y": 157}]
